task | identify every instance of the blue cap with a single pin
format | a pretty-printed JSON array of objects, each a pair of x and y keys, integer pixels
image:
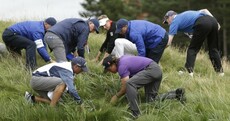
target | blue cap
[
  {"x": 51, "y": 21},
  {"x": 79, "y": 61},
  {"x": 120, "y": 24},
  {"x": 96, "y": 24}
]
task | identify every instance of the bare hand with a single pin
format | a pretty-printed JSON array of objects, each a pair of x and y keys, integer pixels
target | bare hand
[
  {"x": 114, "y": 100},
  {"x": 52, "y": 61}
]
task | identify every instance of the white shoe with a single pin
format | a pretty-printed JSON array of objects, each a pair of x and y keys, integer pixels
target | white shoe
[
  {"x": 180, "y": 72},
  {"x": 191, "y": 74},
  {"x": 28, "y": 97},
  {"x": 50, "y": 94},
  {"x": 221, "y": 74}
]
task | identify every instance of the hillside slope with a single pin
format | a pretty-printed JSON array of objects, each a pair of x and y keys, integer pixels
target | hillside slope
[{"x": 207, "y": 93}]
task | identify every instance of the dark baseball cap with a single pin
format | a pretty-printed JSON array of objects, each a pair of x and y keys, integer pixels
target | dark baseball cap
[
  {"x": 51, "y": 21},
  {"x": 96, "y": 24},
  {"x": 120, "y": 24},
  {"x": 168, "y": 14},
  {"x": 79, "y": 61},
  {"x": 107, "y": 62}
]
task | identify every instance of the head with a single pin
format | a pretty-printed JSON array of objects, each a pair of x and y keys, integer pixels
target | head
[
  {"x": 104, "y": 22},
  {"x": 169, "y": 16},
  {"x": 110, "y": 64},
  {"x": 122, "y": 26},
  {"x": 79, "y": 65},
  {"x": 94, "y": 25},
  {"x": 49, "y": 22}
]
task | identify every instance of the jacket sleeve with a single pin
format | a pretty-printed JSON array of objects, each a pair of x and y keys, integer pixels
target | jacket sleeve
[
  {"x": 139, "y": 42},
  {"x": 41, "y": 46},
  {"x": 82, "y": 39},
  {"x": 67, "y": 77},
  {"x": 111, "y": 43}
]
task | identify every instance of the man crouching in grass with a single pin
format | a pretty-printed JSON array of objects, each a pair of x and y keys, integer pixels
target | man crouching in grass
[
  {"x": 136, "y": 72},
  {"x": 55, "y": 77}
]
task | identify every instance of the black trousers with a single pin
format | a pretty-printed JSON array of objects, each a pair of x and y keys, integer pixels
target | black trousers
[
  {"x": 205, "y": 28},
  {"x": 15, "y": 43},
  {"x": 156, "y": 53}
]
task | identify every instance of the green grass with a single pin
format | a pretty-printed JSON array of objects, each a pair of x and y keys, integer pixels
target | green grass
[{"x": 207, "y": 94}]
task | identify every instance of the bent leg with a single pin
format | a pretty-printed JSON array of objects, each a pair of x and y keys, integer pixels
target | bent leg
[
  {"x": 57, "y": 94},
  {"x": 56, "y": 44}
]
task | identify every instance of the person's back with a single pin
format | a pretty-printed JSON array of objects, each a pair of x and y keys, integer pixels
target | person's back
[
  {"x": 151, "y": 33},
  {"x": 70, "y": 36},
  {"x": 125, "y": 68},
  {"x": 66, "y": 29},
  {"x": 54, "y": 69},
  {"x": 184, "y": 22},
  {"x": 32, "y": 30}
]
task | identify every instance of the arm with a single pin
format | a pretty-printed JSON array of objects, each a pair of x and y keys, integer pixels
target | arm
[
  {"x": 69, "y": 56},
  {"x": 41, "y": 48},
  {"x": 121, "y": 92},
  {"x": 111, "y": 36},
  {"x": 67, "y": 77},
  {"x": 102, "y": 48},
  {"x": 139, "y": 42},
  {"x": 105, "y": 55},
  {"x": 170, "y": 40},
  {"x": 206, "y": 11},
  {"x": 97, "y": 57},
  {"x": 81, "y": 39}
]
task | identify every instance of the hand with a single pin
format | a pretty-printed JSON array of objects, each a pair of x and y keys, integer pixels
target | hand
[
  {"x": 75, "y": 53},
  {"x": 95, "y": 59},
  {"x": 114, "y": 100},
  {"x": 101, "y": 62},
  {"x": 52, "y": 61}
]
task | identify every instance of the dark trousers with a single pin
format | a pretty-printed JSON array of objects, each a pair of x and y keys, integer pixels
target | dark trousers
[
  {"x": 156, "y": 53},
  {"x": 15, "y": 43},
  {"x": 205, "y": 28},
  {"x": 149, "y": 78}
]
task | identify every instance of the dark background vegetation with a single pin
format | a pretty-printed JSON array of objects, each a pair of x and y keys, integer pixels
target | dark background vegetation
[{"x": 154, "y": 11}]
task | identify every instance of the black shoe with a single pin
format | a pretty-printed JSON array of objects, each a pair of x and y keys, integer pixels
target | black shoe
[
  {"x": 135, "y": 114},
  {"x": 180, "y": 95}
]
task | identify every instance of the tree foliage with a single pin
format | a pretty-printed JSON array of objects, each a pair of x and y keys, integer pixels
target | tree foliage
[{"x": 154, "y": 11}]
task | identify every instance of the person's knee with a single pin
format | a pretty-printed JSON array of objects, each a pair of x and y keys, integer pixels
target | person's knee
[{"x": 31, "y": 45}]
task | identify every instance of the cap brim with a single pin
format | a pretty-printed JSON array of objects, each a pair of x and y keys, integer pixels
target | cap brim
[
  {"x": 85, "y": 69},
  {"x": 165, "y": 22},
  {"x": 97, "y": 30},
  {"x": 103, "y": 22}
]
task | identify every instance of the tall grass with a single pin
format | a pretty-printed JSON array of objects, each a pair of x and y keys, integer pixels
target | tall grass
[{"x": 207, "y": 93}]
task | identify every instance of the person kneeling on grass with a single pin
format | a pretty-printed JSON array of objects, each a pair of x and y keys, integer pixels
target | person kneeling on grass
[
  {"x": 55, "y": 77},
  {"x": 143, "y": 72}
]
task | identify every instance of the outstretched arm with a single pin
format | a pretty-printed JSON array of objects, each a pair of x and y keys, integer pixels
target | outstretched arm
[
  {"x": 170, "y": 40},
  {"x": 122, "y": 91}
]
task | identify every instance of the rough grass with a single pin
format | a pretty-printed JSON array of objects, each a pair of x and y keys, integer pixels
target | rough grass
[{"x": 207, "y": 93}]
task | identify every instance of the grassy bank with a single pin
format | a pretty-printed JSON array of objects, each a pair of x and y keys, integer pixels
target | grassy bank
[{"x": 207, "y": 93}]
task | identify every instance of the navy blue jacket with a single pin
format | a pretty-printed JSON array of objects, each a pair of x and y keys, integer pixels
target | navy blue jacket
[{"x": 74, "y": 34}]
